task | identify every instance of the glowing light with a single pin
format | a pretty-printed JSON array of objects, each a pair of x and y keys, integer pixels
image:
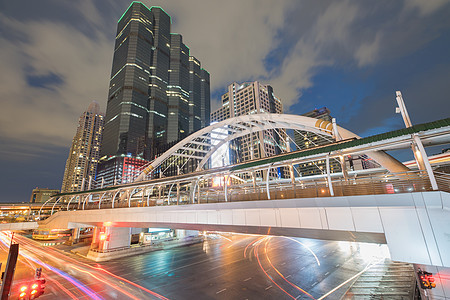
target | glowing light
[
  {"x": 309, "y": 249},
  {"x": 350, "y": 279},
  {"x": 279, "y": 273},
  {"x": 23, "y": 288},
  {"x": 255, "y": 250},
  {"x": 34, "y": 286}
]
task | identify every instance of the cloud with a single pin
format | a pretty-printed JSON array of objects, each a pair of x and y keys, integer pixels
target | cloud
[
  {"x": 230, "y": 38},
  {"x": 367, "y": 52},
  {"x": 78, "y": 67},
  {"x": 425, "y": 7},
  {"x": 284, "y": 44}
]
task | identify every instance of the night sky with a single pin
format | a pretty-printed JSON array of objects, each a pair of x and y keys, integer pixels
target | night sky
[{"x": 350, "y": 56}]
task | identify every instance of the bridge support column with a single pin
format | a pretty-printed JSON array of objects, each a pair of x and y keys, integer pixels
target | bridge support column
[
  {"x": 75, "y": 235},
  {"x": 422, "y": 159},
  {"x": 330, "y": 186},
  {"x": 113, "y": 237}
]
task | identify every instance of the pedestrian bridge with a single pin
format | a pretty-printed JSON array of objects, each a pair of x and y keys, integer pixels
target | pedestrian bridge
[
  {"x": 415, "y": 226},
  {"x": 407, "y": 210}
]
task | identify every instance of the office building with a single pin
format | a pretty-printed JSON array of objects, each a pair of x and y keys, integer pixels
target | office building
[
  {"x": 251, "y": 98},
  {"x": 81, "y": 165},
  {"x": 118, "y": 170},
  {"x": 158, "y": 92},
  {"x": 41, "y": 195}
]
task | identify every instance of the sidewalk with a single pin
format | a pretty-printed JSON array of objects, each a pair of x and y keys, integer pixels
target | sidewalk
[{"x": 83, "y": 249}]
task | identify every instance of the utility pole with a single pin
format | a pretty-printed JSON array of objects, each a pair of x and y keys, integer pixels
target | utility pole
[{"x": 9, "y": 271}]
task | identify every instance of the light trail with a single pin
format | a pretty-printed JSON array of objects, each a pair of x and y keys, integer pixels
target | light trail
[
  {"x": 255, "y": 250},
  {"x": 66, "y": 276},
  {"x": 309, "y": 249},
  {"x": 105, "y": 282},
  {"x": 56, "y": 282},
  {"x": 251, "y": 243},
  {"x": 370, "y": 265},
  {"x": 67, "y": 259},
  {"x": 279, "y": 273},
  {"x": 132, "y": 283}
]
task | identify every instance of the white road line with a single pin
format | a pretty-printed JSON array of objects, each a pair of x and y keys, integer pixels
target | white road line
[
  {"x": 247, "y": 279},
  {"x": 268, "y": 287},
  {"x": 221, "y": 291},
  {"x": 327, "y": 273},
  {"x": 337, "y": 266},
  {"x": 283, "y": 264},
  {"x": 314, "y": 283},
  {"x": 287, "y": 276},
  {"x": 302, "y": 268}
]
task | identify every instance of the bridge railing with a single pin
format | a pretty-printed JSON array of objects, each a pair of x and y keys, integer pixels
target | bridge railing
[
  {"x": 303, "y": 187},
  {"x": 369, "y": 185},
  {"x": 189, "y": 192},
  {"x": 443, "y": 181}
]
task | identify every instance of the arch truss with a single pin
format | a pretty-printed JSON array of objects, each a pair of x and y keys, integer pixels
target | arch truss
[{"x": 201, "y": 145}]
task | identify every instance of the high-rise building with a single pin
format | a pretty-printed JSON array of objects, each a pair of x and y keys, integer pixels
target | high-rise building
[
  {"x": 306, "y": 139},
  {"x": 118, "y": 170},
  {"x": 84, "y": 153},
  {"x": 251, "y": 98},
  {"x": 158, "y": 93},
  {"x": 41, "y": 195}
]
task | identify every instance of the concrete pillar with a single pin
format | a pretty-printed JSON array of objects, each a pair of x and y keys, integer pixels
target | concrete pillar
[
  {"x": 117, "y": 237},
  {"x": 330, "y": 186},
  {"x": 75, "y": 235}
]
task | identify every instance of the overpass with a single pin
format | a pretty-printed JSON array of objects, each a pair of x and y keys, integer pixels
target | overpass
[
  {"x": 388, "y": 204},
  {"x": 374, "y": 205},
  {"x": 415, "y": 226}
]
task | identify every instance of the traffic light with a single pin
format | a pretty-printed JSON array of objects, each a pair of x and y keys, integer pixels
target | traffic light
[
  {"x": 23, "y": 292},
  {"x": 426, "y": 280},
  {"x": 32, "y": 290}
]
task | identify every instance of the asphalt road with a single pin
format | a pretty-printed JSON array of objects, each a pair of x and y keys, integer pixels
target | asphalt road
[{"x": 222, "y": 267}]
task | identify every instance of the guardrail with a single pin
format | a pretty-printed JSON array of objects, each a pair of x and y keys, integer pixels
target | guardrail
[
  {"x": 302, "y": 187},
  {"x": 443, "y": 181}
]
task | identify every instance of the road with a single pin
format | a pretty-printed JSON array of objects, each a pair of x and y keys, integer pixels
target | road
[{"x": 224, "y": 266}]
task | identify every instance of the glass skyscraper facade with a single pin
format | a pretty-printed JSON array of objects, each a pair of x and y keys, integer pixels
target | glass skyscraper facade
[{"x": 158, "y": 93}]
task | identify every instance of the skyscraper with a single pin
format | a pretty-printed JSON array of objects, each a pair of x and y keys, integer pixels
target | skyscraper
[
  {"x": 252, "y": 98},
  {"x": 158, "y": 93},
  {"x": 85, "y": 150}
]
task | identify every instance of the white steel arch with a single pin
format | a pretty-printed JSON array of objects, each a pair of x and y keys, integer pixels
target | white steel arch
[{"x": 200, "y": 146}]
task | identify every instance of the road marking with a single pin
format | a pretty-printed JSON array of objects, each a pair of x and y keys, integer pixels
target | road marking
[
  {"x": 268, "y": 287},
  {"x": 221, "y": 291},
  {"x": 287, "y": 276},
  {"x": 314, "y": 283},
  {"x": 247, "y": 279},
  {"x": 327, "y": 273},
  {"x": 283, "y": 264},
  {"x": 298, "y": 296},
  {"x": 302, "y": 268},
  {"x": 325, "y": 255},
  {"x": 337, "y": 266}
]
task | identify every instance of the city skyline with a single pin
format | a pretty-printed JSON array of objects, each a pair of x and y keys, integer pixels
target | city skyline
[{"x": 342, "y": 55}]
